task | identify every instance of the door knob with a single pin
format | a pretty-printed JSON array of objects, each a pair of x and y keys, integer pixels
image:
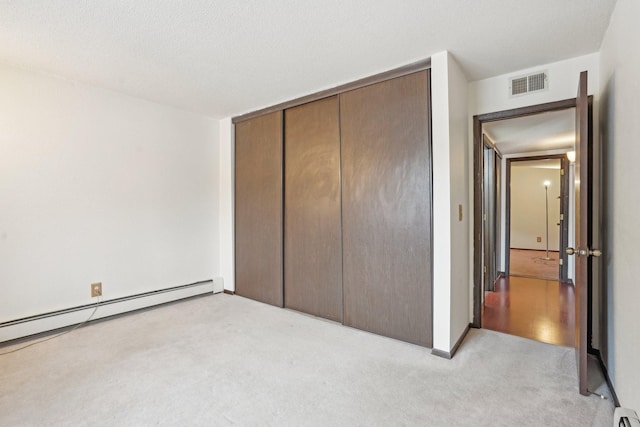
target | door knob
[{"x": 582, "y": 252}]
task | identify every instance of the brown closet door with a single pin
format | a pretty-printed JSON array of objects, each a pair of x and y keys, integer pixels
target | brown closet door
[
  {"x": 258, "y": 208},
  {"x": 386, "y": 210},
  {"x": 313, "y": 241}
]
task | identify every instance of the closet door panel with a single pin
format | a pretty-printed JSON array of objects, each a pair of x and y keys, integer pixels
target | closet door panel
[
  {"x": 313, "y": 245},
  {"x": 386, "y": 210},
  {"x": 258, "y": 208}
]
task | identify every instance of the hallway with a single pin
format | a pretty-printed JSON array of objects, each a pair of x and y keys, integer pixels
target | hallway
[{"x": 538, "y": 309}]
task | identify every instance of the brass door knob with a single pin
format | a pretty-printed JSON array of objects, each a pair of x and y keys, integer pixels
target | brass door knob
[{"x": 582, "y": 252}]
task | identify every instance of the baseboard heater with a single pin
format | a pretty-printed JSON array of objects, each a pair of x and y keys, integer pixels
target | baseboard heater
[
  {"x": 27, "y": 326},
  {"x": 624, "y": 417}
]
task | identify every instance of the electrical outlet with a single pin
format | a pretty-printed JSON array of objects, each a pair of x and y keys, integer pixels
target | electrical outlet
[
  {"x": 96, "y": 289},
  {"x": 539, "y": 239}
]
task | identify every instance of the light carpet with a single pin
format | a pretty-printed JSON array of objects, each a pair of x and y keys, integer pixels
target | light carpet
[{"x": 226, "y": 360}]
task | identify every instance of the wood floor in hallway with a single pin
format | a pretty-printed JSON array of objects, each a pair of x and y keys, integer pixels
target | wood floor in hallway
[
  {"x": 539, "y": 309},
  {"x": 530, "y": 263}
]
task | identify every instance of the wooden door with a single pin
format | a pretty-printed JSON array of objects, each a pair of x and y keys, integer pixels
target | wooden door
[
  {"x": 583, "y": 250},
  {"x": 489, "y": 218},
  {"x": 386, "y": 210},
  {"x": 563, "y": 268},
  {"x": 258, "y": 208},
  {"x": 313, "y": 239},
  {"x": 497, "y": 221}
]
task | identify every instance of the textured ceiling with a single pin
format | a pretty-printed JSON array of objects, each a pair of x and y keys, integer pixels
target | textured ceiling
[
  {"x": 530, "y": 134},
  {"x": 225, "y": 57}
]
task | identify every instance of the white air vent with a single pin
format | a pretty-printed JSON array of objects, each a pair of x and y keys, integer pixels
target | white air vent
[{"x": 530, "y": 83}]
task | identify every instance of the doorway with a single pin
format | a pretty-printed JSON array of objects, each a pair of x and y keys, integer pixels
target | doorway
[
  {"x": 538, "y": 216},
  {"x": 531, "y": 295}
]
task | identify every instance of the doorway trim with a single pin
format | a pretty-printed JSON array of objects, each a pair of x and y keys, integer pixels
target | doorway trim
[{"x": 478, "y": 173}]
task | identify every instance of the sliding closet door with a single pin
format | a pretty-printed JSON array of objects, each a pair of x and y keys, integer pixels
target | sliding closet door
[
  {"x": 313, "y": 241},
  {"x": 386, "y": 194},
  {"x": 258, "y": 208}
]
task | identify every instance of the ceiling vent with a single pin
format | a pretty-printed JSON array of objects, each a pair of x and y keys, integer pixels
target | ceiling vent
[{"x": 526, "y": 84}]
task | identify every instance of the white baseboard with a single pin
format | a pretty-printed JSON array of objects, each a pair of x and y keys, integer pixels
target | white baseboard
[{"x": 63, "y": 318}]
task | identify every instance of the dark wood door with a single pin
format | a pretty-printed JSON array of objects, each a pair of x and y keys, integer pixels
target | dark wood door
[
  {"x": 258, "y": 208},
  {"x": 489, "y": 218},
  {"x": 497, "y": 219},
  {"x": 582, "y": 232},
  {"x": 386, "y": 210},
  {"x": 313, "y": 239},
  {"x": 563, "y": 268}
]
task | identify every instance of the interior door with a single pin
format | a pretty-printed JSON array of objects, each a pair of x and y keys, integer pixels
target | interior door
[
  {"x": 583, "y": 250},
  {"x": 563, "y": 222},
  {"x": 489, "y": 218},
  {"x": 497, "y": 247}
]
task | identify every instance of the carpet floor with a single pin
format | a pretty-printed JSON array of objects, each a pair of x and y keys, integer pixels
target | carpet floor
[{"x": 226, "y": 360}]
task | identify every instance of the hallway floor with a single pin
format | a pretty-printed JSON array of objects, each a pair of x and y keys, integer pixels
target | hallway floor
[
  {"x": 542, "y": 310},
  {"x": 530, "y": 263}
]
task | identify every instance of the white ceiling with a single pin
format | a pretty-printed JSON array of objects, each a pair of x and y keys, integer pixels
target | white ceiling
[
  {"x": 530, "y": 134},
  {"x": 225, "y": 57}
]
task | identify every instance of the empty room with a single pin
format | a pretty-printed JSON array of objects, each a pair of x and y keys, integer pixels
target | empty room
[{"x": 319, "y": 213}]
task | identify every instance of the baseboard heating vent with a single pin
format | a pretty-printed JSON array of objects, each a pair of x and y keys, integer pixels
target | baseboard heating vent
[
  {"x": 54, "y": 320},
  {"x": 218, "y": 285},
  {"x": 624, "y": 417},
  {"x": 522, "y": 85}
]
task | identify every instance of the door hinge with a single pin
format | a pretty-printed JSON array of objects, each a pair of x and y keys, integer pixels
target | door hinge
[
  {"x": 484, "y": 269},
  {"x": 561, "y": 261},
  {"x": 484, "y": 217},
  {"x": 561, "y": 172},
  {"x": 561, "y": 217}
]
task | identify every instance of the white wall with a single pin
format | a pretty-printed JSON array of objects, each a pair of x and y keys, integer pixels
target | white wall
[
  {"x": 226, "y": 198},
  {"x": 451, "y": 237},
  {"x": 492, "y": 95},
  {"x": 459, "y": 174},
  {"x": 98, "y": 186},
  {"x": 528, "y": 207},
  {"x": 620, "y": 124}
]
